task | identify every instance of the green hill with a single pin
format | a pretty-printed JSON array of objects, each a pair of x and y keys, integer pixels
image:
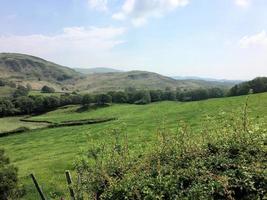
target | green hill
[
  {"x": 22, "y": 69},
  {"x": 140, "y": 80},
  {"x": 49, "y": 152}
]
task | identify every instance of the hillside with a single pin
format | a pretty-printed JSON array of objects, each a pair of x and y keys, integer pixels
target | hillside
[
  {"x": 141, "y": 80},
  {"x": 57, "y": 148},
  {"x": 24, "y": 69},
  {"x": 226, "y": 81},
  {"x": 96, "y": 70}
]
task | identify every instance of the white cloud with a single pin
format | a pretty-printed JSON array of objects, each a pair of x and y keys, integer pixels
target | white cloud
[
  {"x": 71, "y": 46},
  {"x": 258, "y": 40},
  {"x": 101, "y": 5},
  {"x": 139, "y": 11},
  {"x": 243, "y": 3}
]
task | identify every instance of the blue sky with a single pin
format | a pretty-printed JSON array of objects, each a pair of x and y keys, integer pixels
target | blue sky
[{"x": 207, "y": 38}]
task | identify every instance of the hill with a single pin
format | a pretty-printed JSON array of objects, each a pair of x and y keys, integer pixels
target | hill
[
  {"x": 96, "y": 70},
  {"x": 49, "y": 152},
  {"x": 140, "y": 80},
  {"x": 207, "y": 79},
  {"x": 23, "y": 69}
]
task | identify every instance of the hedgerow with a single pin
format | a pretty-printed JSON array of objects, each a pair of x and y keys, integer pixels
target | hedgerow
[{"x": 227, "y": 163}]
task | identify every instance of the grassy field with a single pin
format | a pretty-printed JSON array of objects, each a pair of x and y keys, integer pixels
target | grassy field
[
  {"x": 49, "y": 152},
  {"x": 12, "y": 123}
]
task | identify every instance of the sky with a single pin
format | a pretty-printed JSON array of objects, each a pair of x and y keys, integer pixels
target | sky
[{"x": 206, "y": 38}]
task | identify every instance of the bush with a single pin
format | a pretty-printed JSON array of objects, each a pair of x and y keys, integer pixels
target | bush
[
  {"x": 6, "y": 107},
  {"x": 2, "y": 83},
  {"x": 51, "y": 102},
  {"x": 24, "y": 104},
  {"x": 87, "y": 99},
  {"x": 231, "y": 166},
  {"x": 102, "y": 99},
  {"x": 46, "y": 89},
  {"x": 8, "y": 178},
  {"x": 120, "y": 97},
  {"x": 21, "y": 91}
]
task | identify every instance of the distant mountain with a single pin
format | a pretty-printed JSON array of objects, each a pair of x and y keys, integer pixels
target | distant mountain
[
  {"x": 140, "y": 80},
  {"x": 206, "y": 79},
  {"x": 96, "y": 70},
  {"x": 21, "y": 68}
]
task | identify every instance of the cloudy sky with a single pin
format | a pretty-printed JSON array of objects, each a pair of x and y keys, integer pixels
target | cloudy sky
[{"x": 207, "y": 38}]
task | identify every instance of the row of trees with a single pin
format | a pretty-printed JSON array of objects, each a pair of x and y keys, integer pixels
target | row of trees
[
  {"x": 39, "y": 104},
  {"x": 22, "y": 103},
  {"x": 256, "y": 85},
  {"x": 148, "y": 96}
]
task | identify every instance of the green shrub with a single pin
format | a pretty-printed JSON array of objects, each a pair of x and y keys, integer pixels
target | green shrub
[
  {"x": 8, "y": 178},
  {"x": 179, "y": 166},
  {"x": 47, "y": 89}
]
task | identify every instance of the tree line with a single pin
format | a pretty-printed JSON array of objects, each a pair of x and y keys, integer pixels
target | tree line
[
  {"x": 23, "y": 103},
  {"x": 257, "y": 85}
]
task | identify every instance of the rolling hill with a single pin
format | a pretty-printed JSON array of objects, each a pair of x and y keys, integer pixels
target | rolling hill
[
  {"x": 22, "y": 69},
  {"x": 25, "y": 69},
  {"x": 140, "y": 80},
  {"x": 49, "y": 152}
]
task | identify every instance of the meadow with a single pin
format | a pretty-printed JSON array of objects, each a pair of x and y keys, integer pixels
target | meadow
[{"x": 49, "y": 152}]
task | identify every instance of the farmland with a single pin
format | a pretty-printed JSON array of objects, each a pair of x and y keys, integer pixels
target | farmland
[{"x": 49, "y": 152}]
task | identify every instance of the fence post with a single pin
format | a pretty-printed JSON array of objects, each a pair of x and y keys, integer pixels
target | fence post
[
  {"x": 38, "y": 187},
  {"x": 69, "y": 181}
]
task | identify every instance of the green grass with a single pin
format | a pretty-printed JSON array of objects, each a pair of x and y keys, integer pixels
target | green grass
[
  {"x": 49, "y": 152},
  {"x": 12, "y": 123}
]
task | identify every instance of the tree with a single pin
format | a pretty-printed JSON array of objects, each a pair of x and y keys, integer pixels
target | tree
[
  {"x": 21, "y": 91},
  {"x": 2, "y": 83},
  {"x": 142, "y": 97},
  {"x": 8, "y": 178},
  {"x": 102, "y": 99},
  {"x": 65, "y": 99},
  {"x": 24, "y": 104},
  {"x": 51, "y": 102},
  {"x": 76, "y": 98},
  {"x": 87, "y": 99},
  {"x": 120, "y": 97},
  {"x": 215, "y": 93},
  {"x": 256, "y": 85},
  {"x": 47, "y": 89},
  {"x": 169, "y": 95},
  {"x": 155, "y": 95},
  {"x": 6, "y": 107},
  {"x": 38, "y": 103}
]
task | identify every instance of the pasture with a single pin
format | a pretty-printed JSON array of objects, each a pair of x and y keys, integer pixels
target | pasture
[{"x": 49, "y": 152}]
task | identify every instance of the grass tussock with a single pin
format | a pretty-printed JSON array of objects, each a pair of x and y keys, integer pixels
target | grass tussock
[{"x": 180, "y": 165}]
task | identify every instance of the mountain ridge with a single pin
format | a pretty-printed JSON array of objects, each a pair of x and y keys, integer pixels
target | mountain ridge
[{"x": 26, "y": 69}]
